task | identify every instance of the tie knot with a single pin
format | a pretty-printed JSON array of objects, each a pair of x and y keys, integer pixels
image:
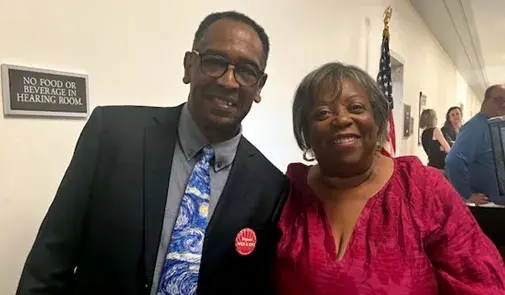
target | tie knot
[{"x": 207, "y": 153}]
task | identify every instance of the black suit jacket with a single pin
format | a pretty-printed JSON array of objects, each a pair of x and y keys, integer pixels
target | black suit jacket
[{"x": 102, "y": 231}]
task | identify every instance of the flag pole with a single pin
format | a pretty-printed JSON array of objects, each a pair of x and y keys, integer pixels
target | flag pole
[
  {"x": 384, "y": 80},
  {"x": 387, "y": 18}
]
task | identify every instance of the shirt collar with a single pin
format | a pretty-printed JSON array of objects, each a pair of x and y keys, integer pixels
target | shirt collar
[
  {"x": 192, "y": 141},
  {"x": 482, "y": 115}
]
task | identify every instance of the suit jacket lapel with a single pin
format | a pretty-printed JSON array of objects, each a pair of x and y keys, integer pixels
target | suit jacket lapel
[
  {"x": 159, "y": 148},
  {"x": 234, "y": 194}
]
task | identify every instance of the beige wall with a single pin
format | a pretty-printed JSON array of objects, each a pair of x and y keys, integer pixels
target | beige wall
[{"x": 132, "y": 52}]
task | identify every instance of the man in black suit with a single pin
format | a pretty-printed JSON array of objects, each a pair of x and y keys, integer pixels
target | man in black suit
[{"x": 109, "y": 226}]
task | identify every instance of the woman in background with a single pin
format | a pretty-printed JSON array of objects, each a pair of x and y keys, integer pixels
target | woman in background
[
  {"x": 453, "y": 122},
  {"x": 358, "y": 222},
  {"x": 434, "y": 143}
]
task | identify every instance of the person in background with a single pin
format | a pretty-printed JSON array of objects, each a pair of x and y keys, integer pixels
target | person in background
[
  {"x": 453, "y": 122},
  {"x": 470, "y": 164},
  {"x": 434, "y": 143},
  {"x": 131, "y": 215},
  {"x": 358, "y": 222}
]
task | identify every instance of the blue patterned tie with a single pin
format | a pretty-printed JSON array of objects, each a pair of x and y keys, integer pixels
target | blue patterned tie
[{"x": 182, "y": 264}]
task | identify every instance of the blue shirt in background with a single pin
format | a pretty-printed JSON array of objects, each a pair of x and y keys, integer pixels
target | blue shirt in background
[{"x": 470, "y": 165}]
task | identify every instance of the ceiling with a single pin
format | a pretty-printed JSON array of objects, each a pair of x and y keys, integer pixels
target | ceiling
[
  {"x": 489, "y": 17},
  {"x": 472, "y": 33}
]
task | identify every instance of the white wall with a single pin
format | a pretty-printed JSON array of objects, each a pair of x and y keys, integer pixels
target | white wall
[
  {"x": 466, "y": 97},
  {"x": 132, "y": 52}
]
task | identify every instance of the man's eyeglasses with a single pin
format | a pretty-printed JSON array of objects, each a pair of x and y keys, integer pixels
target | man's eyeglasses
[{"x": 215, "y": 66}]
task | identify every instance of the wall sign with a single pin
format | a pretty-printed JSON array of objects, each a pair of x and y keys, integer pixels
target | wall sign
[
  {"x": 40, "y": 92},
  {"x": 407, "y": 121}
]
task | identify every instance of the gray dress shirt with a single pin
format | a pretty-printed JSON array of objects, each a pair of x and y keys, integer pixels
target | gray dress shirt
[{"x": 191, "y": 142}]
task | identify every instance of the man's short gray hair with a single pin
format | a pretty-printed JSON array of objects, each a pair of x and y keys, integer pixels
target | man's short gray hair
[{"x": 334, "y": 73}]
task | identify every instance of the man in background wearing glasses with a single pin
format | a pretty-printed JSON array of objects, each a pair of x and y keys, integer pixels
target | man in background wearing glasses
[{"x": 133, "y": 212}]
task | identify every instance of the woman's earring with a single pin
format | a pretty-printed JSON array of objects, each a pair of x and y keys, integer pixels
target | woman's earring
[{"x": 308, "y": 155}]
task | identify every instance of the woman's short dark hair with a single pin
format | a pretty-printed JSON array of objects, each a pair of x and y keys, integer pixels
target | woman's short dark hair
[
  {"x": 448, "y": 123},
  {"x": 335, "y": 73}
]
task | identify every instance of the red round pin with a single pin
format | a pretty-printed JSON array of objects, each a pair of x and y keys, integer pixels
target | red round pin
[{"x": 245, "y": 242}]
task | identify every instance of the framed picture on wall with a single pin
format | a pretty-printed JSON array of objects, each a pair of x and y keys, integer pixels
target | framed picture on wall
[{"x": 422, "y": 107}]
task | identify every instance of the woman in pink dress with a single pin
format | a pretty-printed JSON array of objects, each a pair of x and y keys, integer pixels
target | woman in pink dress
[{"x": 358, "y": 222}]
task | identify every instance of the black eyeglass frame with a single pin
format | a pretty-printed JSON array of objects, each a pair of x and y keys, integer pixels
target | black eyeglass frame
[{"x": 228, "y": 63}]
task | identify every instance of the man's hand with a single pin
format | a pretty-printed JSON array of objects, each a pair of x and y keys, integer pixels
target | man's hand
[{"x": 478, "y": 199}]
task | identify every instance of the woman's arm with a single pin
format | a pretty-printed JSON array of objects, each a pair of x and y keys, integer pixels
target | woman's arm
[
  {"x": 449, "y": 136},
  {"x": 465, "y": 260},
  {"x": 437, "y": 134}
]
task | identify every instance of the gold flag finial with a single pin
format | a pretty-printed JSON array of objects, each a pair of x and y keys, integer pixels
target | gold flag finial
[{"x": 387, "y": 18}]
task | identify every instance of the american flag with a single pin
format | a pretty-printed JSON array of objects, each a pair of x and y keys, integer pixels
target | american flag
[{"x": 385, "y": 84}]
